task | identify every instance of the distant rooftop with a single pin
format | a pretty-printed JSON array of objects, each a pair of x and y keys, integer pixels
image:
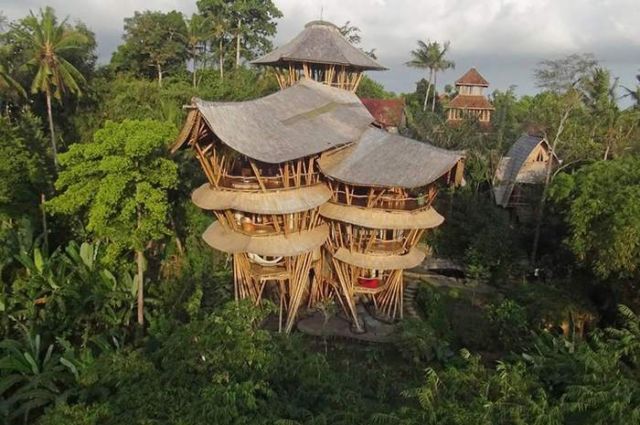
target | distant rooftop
[
  {"x": 472, "y": 78},
  {"x": 320, "y": 42},
  {"x": 387, "y": 112},
  {"x": 463, "y": 101}
]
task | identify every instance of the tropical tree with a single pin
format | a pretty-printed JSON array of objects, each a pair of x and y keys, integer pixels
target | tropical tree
[
  {"x": 49, "y": 44},
  {"x": 154, "y": 43},
  {"x": 251, "y": 23},
  {"x": 431, "y": 56},
  {"x": 602, "y": 202},
  {"x": 634, "y": 93},
  {"x": 9, "y": 86},
  {"x": 198, "y": 32},
  {"x": 121, "y": 181}
]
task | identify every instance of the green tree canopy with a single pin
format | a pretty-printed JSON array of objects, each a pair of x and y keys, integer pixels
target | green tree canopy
[
  {"x": 121, "y": 182},
  {"x": 249, "y": 23},
  {"x": 603, "y": 201},
  {"x": 154, "y": 43}
]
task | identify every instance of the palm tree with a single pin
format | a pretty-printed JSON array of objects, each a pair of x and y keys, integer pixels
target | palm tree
[
  {"x": 430, "y": 55},
  {"x": 48, "y": 42},
  {"x": 198, "y": 31},
  {"x": 634, "y": 93},
  {"x": 8, "y": 85}
]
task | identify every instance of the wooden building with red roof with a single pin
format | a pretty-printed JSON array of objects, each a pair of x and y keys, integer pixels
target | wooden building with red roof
[
  {"x": 388, "y": 113},
  {"x": 470, "y": 102}
]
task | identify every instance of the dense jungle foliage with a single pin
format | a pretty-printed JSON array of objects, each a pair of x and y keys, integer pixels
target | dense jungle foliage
[{"x": 93, "y": 208}]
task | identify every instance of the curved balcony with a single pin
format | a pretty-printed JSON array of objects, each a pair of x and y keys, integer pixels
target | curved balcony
[
  {"x": 425, "y": 218},
  {"x": 230, "y": 241},
  {"x": 272, "y": 202},
  {"x": 409, "y": 260}
]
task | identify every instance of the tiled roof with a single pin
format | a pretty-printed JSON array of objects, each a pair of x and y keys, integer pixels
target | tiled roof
[
  {"x": 470, "y": 102},
  {"x": 472, "y": 78},
  {"x": 387, "y": 112}
]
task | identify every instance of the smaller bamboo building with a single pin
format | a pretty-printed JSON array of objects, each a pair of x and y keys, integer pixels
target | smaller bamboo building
[
  {"x": 322, "y": 54},
  {"x": 470, "y": 102},
  {"x": 377, "y": 214},
  {"x": 521, "y": 173}
]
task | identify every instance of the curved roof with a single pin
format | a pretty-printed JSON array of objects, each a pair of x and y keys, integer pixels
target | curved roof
[
  {"x": 381, "y": 262},
  {"x": 510, "y": 165},
  {"x": 472, "y": 78},
  {"x": 301, "y": 120},
  {"x": 381, "y": 219},
  {"x": 273, "y": 202},
  {"x": 320, "y": 42},
  {"x": 388, "y": 160},
  {"x": 296, "y": 243}
]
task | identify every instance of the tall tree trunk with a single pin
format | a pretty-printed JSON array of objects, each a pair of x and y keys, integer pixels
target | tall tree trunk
[
  {"x": 547, "y": 181},
  {"x": 426, "y": 96},
  {"x": 140, "y": 265},
  {"x": 52, "y": 132},
  {"x": 140, "y": 275},
  {"x": 195, "y": 64},
  {"x": 433, "y": 103},
  {"x": 238, "y": 45},
  {"x": 221, "y": 59},
  {"x": 159, "y": 69}
]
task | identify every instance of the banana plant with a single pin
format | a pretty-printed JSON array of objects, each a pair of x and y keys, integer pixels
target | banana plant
[{"x": 32, "y": 376}]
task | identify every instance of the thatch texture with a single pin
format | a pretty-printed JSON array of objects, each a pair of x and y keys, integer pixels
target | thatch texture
[
  {"x": 296, "y": 122},
  {"x": 511, "y": 170},
  {"x": 296, "y": 243},
  {"x": 271, "y": 202},
  {"x": 381, "y": 262},
  {"x": 384, "y": 159},
  {"x": 381, "y": 219},
  {"x": 320, "y": 42}
]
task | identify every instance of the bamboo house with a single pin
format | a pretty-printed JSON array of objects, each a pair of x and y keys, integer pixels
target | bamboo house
[{"x": 313, "y": 201}]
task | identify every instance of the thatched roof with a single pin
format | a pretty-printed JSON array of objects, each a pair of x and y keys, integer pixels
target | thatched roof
[
  {"x": 510, "y": 169},
  {"x": 384, "y": 159},
  {"x": 381, "y": 262},
  {"x": 464, "y": 101},
  {"x": 296, "y": 243},
  {"x": 320, "y": 42},
  {"x": 380, "y": 219},
  {"x": 472, "y": 78},
  {"x": 271, "y": 202},
  {"x": 301, "y": 120}
]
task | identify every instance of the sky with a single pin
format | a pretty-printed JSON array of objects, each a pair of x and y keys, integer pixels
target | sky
[{"x": 503, "y": 39}]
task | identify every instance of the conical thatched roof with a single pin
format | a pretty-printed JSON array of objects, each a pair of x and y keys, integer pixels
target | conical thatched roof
[{"x": 320, "y": 42}]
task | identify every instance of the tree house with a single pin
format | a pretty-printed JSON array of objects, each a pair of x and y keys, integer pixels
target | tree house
[{"x": 311, "y": 199}]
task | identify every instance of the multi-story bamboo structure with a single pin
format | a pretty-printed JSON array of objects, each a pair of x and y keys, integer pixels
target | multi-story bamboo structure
[
  {"x": 312, "y": 201},
  {"x": 382, "y": 191},
  {"x": 322, "y": 54}
]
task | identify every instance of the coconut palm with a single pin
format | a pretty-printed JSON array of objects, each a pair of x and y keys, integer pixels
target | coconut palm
[
  {"x": 198, "y": 31},
  {"x": 47, "y": 43},
  {"x": 9, "y": 86},
  {"x": 634, "y": 93},
  {"x": 431, "y": 56}
]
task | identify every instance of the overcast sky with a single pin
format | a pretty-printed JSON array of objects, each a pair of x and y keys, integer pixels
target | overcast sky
[{"x": 504, "y": 39}]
